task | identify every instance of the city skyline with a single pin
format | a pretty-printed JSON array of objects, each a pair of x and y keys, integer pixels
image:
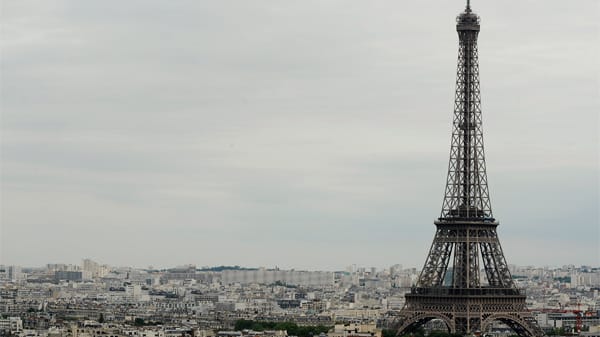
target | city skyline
[
  {"x": 78, "y": 265},
  {"x": 310, "y": 135},
  {"x": 128, "y": 302}
]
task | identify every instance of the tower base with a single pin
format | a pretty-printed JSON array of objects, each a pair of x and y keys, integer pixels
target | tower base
[{"x": 467, "y": 311}]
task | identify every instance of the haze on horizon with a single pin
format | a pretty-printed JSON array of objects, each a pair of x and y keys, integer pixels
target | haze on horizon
[{"x": 308, "y": 135}]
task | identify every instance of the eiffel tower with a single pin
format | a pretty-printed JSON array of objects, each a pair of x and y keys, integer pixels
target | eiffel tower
[{"x": 451, "y": 287}]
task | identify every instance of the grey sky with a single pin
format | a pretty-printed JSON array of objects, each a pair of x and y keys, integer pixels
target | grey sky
[{"x": 306, "y": 134}]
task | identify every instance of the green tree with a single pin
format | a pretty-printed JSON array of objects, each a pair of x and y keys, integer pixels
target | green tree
[
  {"x": 388, "y": 333},
  {"x": 292, "y": 328},
  {"x": 419, "y": 332},
  {"x": 556, "y": 332},
  {"x": 258, "y": 326},
  {"x": 242, "y": 324}
]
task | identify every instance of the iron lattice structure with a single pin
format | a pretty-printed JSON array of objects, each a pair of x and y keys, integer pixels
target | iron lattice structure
[{"x": 452, "y": 286}]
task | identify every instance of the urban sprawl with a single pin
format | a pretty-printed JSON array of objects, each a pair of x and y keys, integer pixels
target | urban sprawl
[{"x": 93, "y": 300}]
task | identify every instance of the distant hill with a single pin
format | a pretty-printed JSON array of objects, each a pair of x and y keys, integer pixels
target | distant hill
[{"x": 221, "y": 268}]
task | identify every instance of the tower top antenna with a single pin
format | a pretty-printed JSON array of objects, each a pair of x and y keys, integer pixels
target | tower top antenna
[{"x": 468, "y": 6}]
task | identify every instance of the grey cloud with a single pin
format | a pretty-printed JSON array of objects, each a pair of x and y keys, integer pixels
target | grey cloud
[{"x": 301, "y": 126}]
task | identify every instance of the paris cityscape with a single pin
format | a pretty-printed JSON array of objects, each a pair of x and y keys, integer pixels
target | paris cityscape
[
  {"x": 275, "y": 142},
  {"x": 102, "y": 300}
]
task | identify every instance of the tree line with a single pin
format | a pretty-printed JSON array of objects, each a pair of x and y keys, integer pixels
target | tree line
[{"x": 292, "y": 329}]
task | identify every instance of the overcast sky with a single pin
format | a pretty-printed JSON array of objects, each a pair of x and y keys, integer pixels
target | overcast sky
[{"x": 299, "y": 134}]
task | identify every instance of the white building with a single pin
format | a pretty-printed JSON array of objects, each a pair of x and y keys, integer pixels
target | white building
[
  {"x": 264, "y": 276},
  {"x": 15, "y": 274},
  {"x": 10, "y": 325},
  {"x": 93, "y": 269}
]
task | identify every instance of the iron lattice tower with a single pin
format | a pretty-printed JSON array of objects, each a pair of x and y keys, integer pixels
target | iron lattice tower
[{"x": 451, "y": 286}]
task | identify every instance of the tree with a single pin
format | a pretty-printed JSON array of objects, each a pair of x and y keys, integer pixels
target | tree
[
  {"x": 242, "y": 324},
  {"x": 388, "y": 333},
  {"x": 292, "y": 328}
]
